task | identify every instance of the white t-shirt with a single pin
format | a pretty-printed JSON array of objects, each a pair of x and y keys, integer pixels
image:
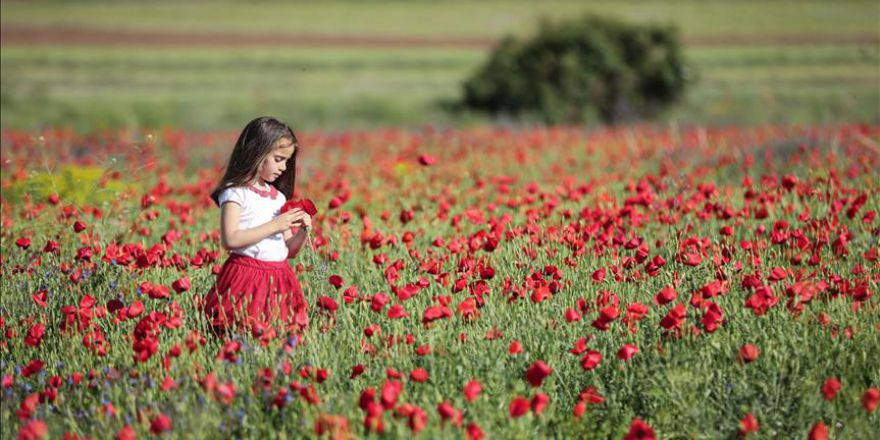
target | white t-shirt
[{"x": 257, "y": 209}]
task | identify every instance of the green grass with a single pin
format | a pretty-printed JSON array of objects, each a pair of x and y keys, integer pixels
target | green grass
[
  {"x": 332, "y": 88},
  {"x": 450, "y": 18}
]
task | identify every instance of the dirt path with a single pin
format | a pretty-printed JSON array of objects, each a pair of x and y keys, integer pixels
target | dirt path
[{"x": 33, "y": 35}]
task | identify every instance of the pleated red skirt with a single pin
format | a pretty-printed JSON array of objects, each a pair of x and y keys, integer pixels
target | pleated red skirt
[{"x": 250, "y": 291}]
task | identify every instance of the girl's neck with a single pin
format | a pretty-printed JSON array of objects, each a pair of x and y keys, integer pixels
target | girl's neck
[{"x": 260, "y": 184}]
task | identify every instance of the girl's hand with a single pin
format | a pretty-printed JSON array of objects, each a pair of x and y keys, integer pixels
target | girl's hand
[
  {"x": 285, "y": 221},
  {"x": 302, "y": 219}
]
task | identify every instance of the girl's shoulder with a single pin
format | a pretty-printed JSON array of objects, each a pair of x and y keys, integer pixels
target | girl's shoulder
[
  {"x": 236, "y": 194},
  {"x": 250, "y": 194}
]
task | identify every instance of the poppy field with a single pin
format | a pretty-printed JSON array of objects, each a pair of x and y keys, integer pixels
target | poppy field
[{"x": 484, "y": 282}]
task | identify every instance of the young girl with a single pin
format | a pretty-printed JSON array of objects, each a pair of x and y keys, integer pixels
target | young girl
[{"x": 256, "y": 285}]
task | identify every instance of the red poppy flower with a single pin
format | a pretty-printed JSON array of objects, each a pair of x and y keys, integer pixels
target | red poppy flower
[
  {"x": 571, "y": 315},
  {"x": 666, "y": 296},
  {"x": 160, "y": 424},
  {"x": 539, "y": 402},
  {"x": 416, "y": 419},
  {"x": 304, "y": 204},
  {"x": 397, "y": 312},
  {"x": 41, "y": 297},
  {"x": 870, "y": 399},
  {"x": 519, "y": 406},
  {"x": 675, "y": 318},
  {"x": 181, "y": 285},
  {"x": 135, "y": 309},
  {"x": 378, "y": 301},
  {"x": 356, "y": 371},
  {"x": 33, "y": 367},
  {"x": 748, "y": 353},
  {"x": 33, "y": 430},
  {"x": 591, "y": 396},
  {"x": 474, "y": 432},
  {"x": 472, "y": 390},
  {"x": 419, "y": 375},
  {"x": 580, "y": 346},
  {"x": 434, "y": 313},
  {"x": 79, "y": 226},
  {"x": 427, "y": 160},
  {"x": 627, "y": 351},
  {"x": 748, "y": 425},
  {"x": 51, "y": 247},
  {"x": 35, "y": 335},
  {"x": 591, "y": 360},
  {"x": 336, "y": 281},
  {"x": 639, "y": 430},
  {"x": 818, "y": 432},
  {"x": 390, "y": 390},
  {"x": 23, "y": 242},
  {"x": 327, "y": 303},
  {"x": 830, "y": 388},
  {"x": 126, "y": 433},
  {"x": 367, "y": 397},
  {"x": 515, "y": 347},
  {"x": 449, "y": 413},
  {"x": 536, "y": 373}
]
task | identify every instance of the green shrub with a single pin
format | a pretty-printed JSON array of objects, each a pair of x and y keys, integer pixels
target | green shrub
[{"x": 574, "y": 71}]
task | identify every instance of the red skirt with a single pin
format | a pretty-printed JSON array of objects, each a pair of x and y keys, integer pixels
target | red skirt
[{"x": 250, "y": 291}]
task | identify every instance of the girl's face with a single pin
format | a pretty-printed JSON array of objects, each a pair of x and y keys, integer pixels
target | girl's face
[{"x": 276, "y": 162}]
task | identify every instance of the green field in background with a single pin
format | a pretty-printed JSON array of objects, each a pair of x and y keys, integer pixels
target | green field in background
[
  {"x": 93, "y": 86},
  {"x": 461, "y": 18}
]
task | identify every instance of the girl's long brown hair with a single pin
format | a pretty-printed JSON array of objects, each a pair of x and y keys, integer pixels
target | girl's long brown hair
[{"x": 254, "y": 144}]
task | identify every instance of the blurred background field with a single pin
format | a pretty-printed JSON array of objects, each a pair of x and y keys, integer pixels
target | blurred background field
[{"x": 338, "y": 65}]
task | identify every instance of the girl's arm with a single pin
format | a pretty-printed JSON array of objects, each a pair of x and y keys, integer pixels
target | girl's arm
[
  {"x": 233, "y": 238},
  {"x": 295, "y": 241}
]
